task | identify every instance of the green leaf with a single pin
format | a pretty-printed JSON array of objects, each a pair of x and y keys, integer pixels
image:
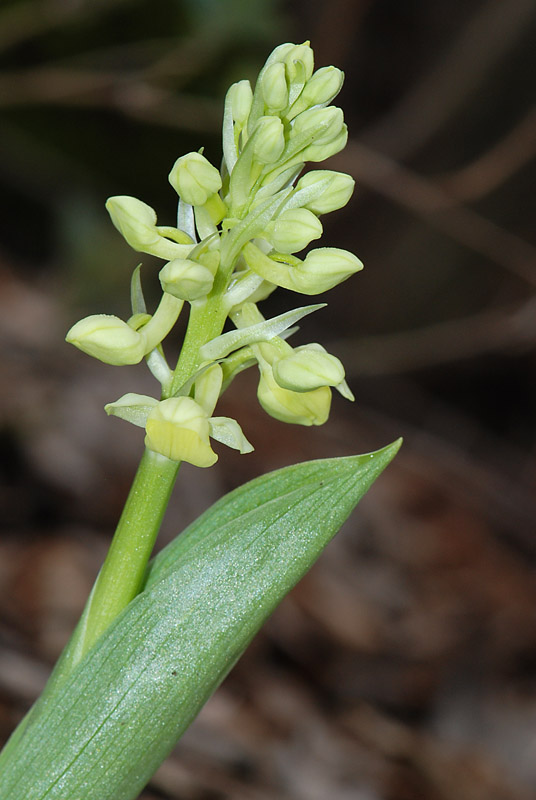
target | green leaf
[
  {"x": 137, "y": 299},
  {"x": 105, "y": 730},
  {"x": 224, "y": 344}
]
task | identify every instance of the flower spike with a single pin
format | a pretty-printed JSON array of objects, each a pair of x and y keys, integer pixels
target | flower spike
[{"x": 236, "y": 239}]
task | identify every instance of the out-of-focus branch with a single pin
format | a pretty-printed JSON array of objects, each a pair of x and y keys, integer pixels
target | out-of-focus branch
[
  {"x": 497, "y": 164},
  {"x": 440, "y": 343},
  {"x": 457, "y": 74},
  {"x": 456, "y": 339},
  {"x": 473, "y": 776},
  {"x": 336, "y": 23},
  {"x": 25, "y": 20},
  {"x": 429, "y": 201},
  {"x": 128, "y": 93}
]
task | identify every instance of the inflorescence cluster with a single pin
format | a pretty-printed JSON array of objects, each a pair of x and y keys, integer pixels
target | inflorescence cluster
[{"x": 238, "y": 230}]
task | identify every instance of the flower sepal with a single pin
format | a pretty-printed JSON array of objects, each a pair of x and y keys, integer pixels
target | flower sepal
[
  {"x": 228, "y": 432},
  {"x": 132, "y": 407},
  {"x": 207, "y": 387}
]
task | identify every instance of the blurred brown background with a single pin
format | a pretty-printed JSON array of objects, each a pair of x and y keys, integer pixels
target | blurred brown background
[{"x": 403, "y": 666}]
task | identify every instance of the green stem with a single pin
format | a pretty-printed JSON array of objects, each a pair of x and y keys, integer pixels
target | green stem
[
  {"x": 207, "y": 318},
  {"x": 162, "y": 321},
  {"x": 121, "y": 576},
  {"x": 122, "y": 573}
]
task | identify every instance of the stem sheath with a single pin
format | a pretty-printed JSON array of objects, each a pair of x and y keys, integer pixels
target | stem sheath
[{"x": 121, "y": 576}]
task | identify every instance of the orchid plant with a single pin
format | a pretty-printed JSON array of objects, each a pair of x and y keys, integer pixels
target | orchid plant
[{"x": 157, "y": 637}]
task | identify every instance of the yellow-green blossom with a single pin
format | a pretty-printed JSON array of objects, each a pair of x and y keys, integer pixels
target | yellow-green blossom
[
  {"x": 237, "y": 234},
  {"x": 178, "y": 428},
  {"x": 186, "y": 279},
  {"x": 195, "y": 179},
  {"x": 335, "y": 189},
  {"x": 293, "y": 230},
  {"x": 107, "y": 338},
  {"x": 308, "y": 367},
  {"x": 298, "y": 408},
  {"x": 136, "y": 221}
]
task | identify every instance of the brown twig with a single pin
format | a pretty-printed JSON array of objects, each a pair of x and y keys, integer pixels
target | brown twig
[
  {"x": 404, "y": 351},
  {"x": 496, "y": 165},
  {"x": 128, "y": 93},
  {"x": 457, "y": 74},
  {"x": 22, "y": 21},
  {"x": 429, "y": 201},
  {"x": 335, "y": 26}
]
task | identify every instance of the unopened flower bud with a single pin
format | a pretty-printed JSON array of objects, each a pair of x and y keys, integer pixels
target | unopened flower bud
[
  {"x": 278, "y": 54},
  {"x": 290, "y": 54},
  {"x": 269, "y": 140},
  {"x": 274, "y": 87},
  {"x": 322, "y": 269},
  {"x": 107, "y": 338},
  {"x": 299, "y": 61},
  {"x": 307, "y": 368},
  {"x": 186, "y": 279},
  {"x": 320, "y": 152},
  {"x": 194, "y": 178},
  {"x": 178, "y": 428},
  {"x": 325, "y": 268},
  {"x": 241, "y": 96},
  {"x": 335, "y": 189},
  {"x": 321, "y": 88},
  {"x": 298, "y": 408},
  {"x": 133, "y": 218},
  {"x": 136, "y": 221},
  {"x": 320, "y": 125},
  {"x": 294, "y": 229}
]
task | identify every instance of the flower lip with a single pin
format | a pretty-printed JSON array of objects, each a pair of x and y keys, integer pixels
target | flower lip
[
  {"x": 298, "y": 408},
  {"x": 178, "y": 428}
]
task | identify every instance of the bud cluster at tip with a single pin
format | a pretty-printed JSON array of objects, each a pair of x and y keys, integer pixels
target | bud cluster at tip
[{"x": 235, "y": 240}]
